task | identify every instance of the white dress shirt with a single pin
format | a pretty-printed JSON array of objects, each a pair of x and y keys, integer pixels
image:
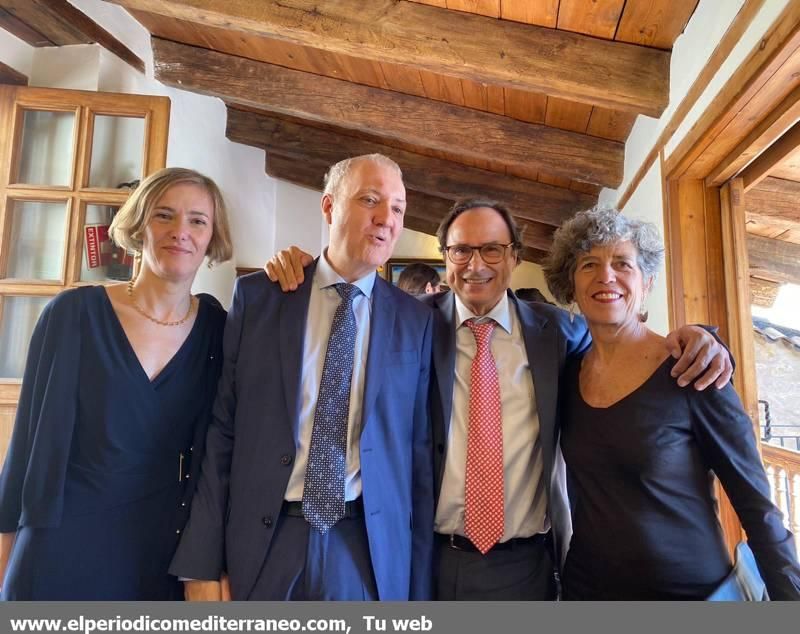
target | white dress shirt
[
  {"x": 322, "y": 305},
  {"x": 524, "y": 492}
]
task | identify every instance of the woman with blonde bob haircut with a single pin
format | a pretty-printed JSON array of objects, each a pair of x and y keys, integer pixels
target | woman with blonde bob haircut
[
  {"x": 115, "y": 402},
  {"x": 639, "y": 449}
]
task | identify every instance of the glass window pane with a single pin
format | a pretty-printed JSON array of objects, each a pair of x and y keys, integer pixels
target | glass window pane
[
  {"x": 117, "y": 150},
  {"x": 102, "y": 259},
  {"x": 36, "y": 248},
  {"x": 16, "y": 327},
  {"x": 47, "y": 151}
]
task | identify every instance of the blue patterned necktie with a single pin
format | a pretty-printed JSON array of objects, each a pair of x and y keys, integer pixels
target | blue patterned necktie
[{"x": 323, "y": 491}]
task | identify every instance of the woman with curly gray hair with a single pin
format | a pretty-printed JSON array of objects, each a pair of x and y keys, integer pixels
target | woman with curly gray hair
[{"x": 639, "y": 449}]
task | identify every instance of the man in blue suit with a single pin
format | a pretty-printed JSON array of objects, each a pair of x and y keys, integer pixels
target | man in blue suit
[
  {"x": 502, "y": 518},
  {"x": 317, "y": 480}
]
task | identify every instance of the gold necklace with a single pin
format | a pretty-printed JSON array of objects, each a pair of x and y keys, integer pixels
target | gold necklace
[{"x": 140, "y": 310}]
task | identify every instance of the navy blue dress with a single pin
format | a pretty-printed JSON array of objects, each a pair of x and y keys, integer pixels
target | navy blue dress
[
  {"x": 124, "y": 466},
  {"x": 643, "y": 508}
]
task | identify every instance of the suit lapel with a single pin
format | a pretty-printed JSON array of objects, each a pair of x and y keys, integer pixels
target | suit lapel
[
  {"x": 444, "y": 354},
  {"x": 380, "y": 341},
  {"x": 541, "y": 348},
  {"x": 293, "y": 316}
]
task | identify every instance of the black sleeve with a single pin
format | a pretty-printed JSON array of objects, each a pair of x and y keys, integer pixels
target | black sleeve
[{"x": 727, "y": 442}]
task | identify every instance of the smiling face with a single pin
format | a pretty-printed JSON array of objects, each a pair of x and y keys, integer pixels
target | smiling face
[
  {"x": 609, "y": 285},
  {"x": 178, "y": 232},
  {"x": 480, "y": 285},
  {"x": 365, "y": 217}
]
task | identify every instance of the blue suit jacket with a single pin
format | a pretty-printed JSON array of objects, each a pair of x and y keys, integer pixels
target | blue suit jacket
[
  {"x": 550, "y": 337},
  {"x": 250, "y": 447}
]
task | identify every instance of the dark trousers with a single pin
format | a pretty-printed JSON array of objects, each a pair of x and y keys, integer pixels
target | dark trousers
[
  {"x": 522, "y": 572},
  {"x": 304, "y": 565}
]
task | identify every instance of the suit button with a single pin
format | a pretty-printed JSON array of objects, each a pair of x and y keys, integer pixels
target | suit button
[
  {"x": 267, "y": 520},
  {"x": 286, "y": 459},
  {"x": 440, "y": 448}
]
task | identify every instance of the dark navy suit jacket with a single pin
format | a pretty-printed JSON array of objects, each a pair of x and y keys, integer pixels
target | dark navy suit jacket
[
  {"x": 550, "y": 337},
  {"x": 250, "y": 447}
]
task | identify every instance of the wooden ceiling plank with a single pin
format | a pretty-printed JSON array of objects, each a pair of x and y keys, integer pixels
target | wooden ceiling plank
[
  {"x": 11, "y": 76},
  {"x": 540, "y": 13},
  {"x": 442, "y": 88},
  {"x": 403, "y": 79},
  {"x": 616, "y": 75},
  {"x": 524, "y": 106},
  {"x": 655, "y": 23},
  {"x": 773, "y": 156},
  {"x": 774, "y": 259},
  {"x": 18, "y": 28},
  {"x": 490, "y": 8},
  {"x": 598, "y": 18},
  {"x": 567, "y": 115},
  {"x": 530, "y": 200},
  {"x": 782, "y": 117},
  {"x": 610, "y": 124},
  {"x": 435, "y": 125}
]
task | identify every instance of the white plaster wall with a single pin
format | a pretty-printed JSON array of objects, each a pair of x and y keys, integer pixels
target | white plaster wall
[
  {"x": 16, "y": 53},
  {"x": 646, "y": 204}
]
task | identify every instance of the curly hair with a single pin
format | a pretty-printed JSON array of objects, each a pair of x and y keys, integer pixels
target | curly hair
[{"x": 598, "y": 226}]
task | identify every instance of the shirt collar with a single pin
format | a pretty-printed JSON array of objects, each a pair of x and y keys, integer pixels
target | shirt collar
[
  {"x": 325, "y": 276},
  {"x": 501, "y": 313}
]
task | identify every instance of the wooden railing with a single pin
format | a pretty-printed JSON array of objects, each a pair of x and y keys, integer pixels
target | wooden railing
[{"x": 783, "y": 472}]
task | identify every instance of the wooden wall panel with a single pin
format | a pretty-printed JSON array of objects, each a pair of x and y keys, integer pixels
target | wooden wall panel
[{"x": 7, "y": 413}]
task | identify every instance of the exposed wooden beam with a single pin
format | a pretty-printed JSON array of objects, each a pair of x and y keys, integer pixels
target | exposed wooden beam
[
  {"x": 530, "y": 200},
  {"x": 775, "y": 260},
  {"x": 774, "y": 201},
  {"x": 18, "y": 28},
  {"x": 62, "y": 24},
  {"x": 423, "y": 212},
  {"x": 772, "y": 157},
  {"x": 416, "y": 120},
  {"x": 10, "y": 76},
  {"x": 615, "y": 75},
  {"x": 772, "y": 127}
]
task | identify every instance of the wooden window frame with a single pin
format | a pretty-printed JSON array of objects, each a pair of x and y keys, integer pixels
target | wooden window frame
[{"x": 703, "y": 186}]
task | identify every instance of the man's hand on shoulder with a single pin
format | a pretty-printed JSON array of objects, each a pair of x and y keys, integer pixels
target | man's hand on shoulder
[
  {"x": 286, "y": 267},
  {"x": 699, "y": 353}
]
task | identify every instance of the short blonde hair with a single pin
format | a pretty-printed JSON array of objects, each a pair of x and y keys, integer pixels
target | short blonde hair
[
  {"x": 339, "y": 171},
  {"x": 128, "y": 225}
]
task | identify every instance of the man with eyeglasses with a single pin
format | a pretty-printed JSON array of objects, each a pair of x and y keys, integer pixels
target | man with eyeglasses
[{"x": 502, "y": 518}]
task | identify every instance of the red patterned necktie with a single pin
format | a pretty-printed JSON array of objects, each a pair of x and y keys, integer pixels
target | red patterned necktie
[{"x": 484, "y": 522}]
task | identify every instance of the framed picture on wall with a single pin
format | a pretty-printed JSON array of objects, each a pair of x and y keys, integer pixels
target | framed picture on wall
[{"x": 393, "y": 268}]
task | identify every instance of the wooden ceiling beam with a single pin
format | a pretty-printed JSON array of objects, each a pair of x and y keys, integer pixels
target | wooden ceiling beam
[
  {"x": 774, "y": 201},
  {"x": 569, "y": 65},
  {"x": 62, "y": 24},
  {"x": 18, "y": 28},
  {"x": 529, "y": 200},
  {"x": 423, "y": 212},
  {"x": 775, "y": 260},
  {"x": 416, "y": 120},
  {"x": 9, "y": 75}
]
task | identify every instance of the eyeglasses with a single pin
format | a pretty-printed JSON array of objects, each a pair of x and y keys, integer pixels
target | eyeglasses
[{"x": 491, "y": 253}]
